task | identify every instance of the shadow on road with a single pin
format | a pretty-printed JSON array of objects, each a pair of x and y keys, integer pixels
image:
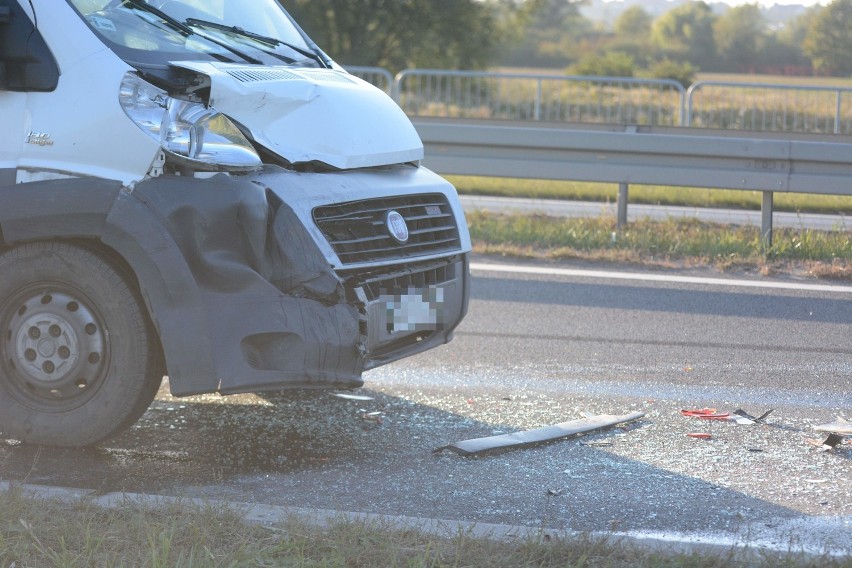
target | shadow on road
[{"x": 312, "y": 449}]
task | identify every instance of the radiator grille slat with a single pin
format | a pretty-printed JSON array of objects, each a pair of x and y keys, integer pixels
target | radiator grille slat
[{"x": 357, "y": 231}]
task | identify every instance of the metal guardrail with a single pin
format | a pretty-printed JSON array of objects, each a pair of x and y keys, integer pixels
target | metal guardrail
[
  {"x": 376, "y": 76},
  {"x": 691, "y": 157}
]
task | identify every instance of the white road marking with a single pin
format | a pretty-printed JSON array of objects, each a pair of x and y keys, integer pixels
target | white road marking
[{"x": 641, "y": 277}]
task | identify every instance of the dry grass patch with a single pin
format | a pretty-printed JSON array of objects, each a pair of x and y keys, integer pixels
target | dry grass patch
[
  {"x": 677, "y": 243},
  {"x": 53, "y": 533}
]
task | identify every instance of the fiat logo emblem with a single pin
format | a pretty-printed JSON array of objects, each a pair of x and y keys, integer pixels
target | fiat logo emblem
[{"x": 397, "y": 227}]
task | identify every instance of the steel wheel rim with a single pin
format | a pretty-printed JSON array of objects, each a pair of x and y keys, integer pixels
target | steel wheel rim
[{"x": 55, "y": 349}]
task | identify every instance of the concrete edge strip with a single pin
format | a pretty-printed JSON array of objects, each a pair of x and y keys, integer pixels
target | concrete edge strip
[
  {"x": 643, "y": 277},
  {"x": 270, "y": 515}
]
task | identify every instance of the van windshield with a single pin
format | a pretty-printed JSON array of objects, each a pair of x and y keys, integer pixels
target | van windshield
[{"x": 151, "y": 32}]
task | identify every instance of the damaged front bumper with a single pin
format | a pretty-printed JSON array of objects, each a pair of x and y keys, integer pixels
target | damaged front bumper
[{"x": 294, "y": 280}]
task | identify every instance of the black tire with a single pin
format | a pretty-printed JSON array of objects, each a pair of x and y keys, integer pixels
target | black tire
[{"x": 78, "y": 359}]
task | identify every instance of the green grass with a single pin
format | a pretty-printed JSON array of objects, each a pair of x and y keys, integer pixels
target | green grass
[
  {"x": 681, "y": 242},
  {"x": 52, "y": 533},
  {"x": 655, "y": 195}
]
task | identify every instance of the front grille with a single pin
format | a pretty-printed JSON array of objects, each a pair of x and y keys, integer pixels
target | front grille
[{"x": 358, "y": 233}]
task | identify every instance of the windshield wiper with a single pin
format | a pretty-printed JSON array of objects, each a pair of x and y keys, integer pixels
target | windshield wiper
[
  {"x": 180, "y": 26},
  {"x": 270, "y": 41},
  {"x": 142, "y": 5}
]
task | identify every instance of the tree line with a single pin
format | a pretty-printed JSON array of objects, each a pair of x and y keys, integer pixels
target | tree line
[{"x": 475, "y": 34}]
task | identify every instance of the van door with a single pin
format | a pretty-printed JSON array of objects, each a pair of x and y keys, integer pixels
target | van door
[
  {"x": 12, "y": 103},
  {"x": 26, "y": 66},
  {"x": 12, "y": 134}
]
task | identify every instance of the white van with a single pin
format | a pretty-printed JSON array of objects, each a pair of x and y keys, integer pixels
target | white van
[{"x": 194, "y": 188}]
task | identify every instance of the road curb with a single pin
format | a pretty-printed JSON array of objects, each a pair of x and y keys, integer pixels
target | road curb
[{"x": 271, "y": 515}]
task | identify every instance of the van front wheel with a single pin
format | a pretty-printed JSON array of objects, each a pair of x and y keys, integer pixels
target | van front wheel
[{"x": 77, "y": 357}]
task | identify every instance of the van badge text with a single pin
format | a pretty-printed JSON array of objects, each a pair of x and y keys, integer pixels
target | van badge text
[{"x": 39, "y": 139}]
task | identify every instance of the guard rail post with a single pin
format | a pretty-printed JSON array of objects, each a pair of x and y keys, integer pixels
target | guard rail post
[
  {"x": 838, "y": 111},
  {"x": 538, "y": 95},
  {"x": 623, "y": 189},
  {"x": 766, "y": 207}
]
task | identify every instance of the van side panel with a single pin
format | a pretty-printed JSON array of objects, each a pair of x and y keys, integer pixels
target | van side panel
[
  {"x": 80, "y": 128},
  {"x": 13, "y": 134}
]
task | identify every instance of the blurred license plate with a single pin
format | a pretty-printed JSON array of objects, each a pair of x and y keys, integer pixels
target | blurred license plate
[{"x": 415, "y": 310}]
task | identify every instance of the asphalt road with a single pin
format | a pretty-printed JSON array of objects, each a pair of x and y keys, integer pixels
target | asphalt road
[{"x": 538, "y": 349}]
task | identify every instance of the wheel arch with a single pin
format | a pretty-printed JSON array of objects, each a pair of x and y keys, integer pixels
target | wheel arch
[
  {"x": 75, "y": 207},
  {"x": 106, "y": 218}
]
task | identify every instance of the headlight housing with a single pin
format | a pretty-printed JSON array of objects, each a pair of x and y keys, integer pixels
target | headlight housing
[{"x": 194, "y": 134}]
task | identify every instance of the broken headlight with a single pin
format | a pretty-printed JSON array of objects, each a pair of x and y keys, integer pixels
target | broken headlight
[{"x": 191, "y": 132}]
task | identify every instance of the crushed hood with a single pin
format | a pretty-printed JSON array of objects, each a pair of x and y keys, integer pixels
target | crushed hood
[{"x": 307, "y": 115}]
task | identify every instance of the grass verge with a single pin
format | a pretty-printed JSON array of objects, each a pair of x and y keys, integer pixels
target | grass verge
[
  {"x": 672, "y": 243},
  {"x": 54, "y": 533},
  {"x": 648, "y": 194}
]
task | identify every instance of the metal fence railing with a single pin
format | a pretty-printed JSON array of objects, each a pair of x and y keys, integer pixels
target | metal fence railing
[
  {"x": 552, "y": 98},
  {"x": 377, "y": 76},
  {"x": 763, "y": 107},
  {"x": 769, "y": 107}
]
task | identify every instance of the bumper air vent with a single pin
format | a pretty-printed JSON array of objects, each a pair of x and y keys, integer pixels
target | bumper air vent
[
  {"x": 254, "y": 75},
  {"x": 418, "y": 276}
]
